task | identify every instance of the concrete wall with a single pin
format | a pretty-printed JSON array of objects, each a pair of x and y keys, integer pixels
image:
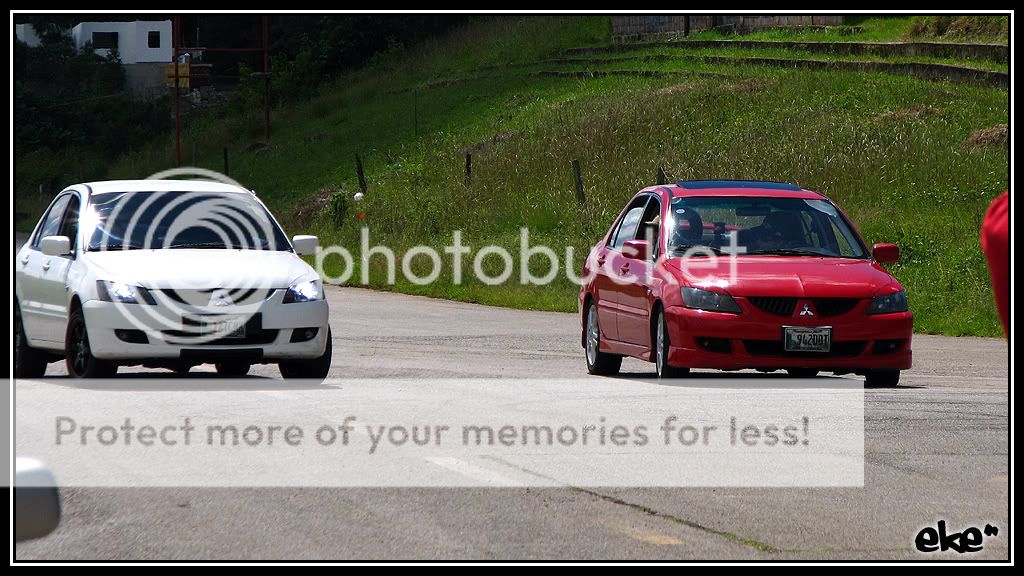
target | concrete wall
[
  {"x": 132, "y": 40},
  {"x": 639, "y": 25}
]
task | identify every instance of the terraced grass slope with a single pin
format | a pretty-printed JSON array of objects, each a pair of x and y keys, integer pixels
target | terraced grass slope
[{"x": 895, "y": 151}]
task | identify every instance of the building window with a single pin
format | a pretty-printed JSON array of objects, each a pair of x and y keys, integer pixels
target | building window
[
  {"x": 104, "y": 40},
  {"x": 154, "y": 38}
]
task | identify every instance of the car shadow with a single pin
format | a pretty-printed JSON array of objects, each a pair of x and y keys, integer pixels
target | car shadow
[
  {"x": 747, "y": 380},
  {"x": 170, "y": 382}
]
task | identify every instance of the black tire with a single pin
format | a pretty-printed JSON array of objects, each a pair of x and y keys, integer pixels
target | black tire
[
  {"x": 598, "y": 363},
  {"x": 802, "y": 372},
  {"x": 181, "y": 369},
  {"x": 313, "y": 369},
  {"x": 882, "y": 379},
  {"x": 28, "y": 362},
  {"x": 78, "y": 353},
  {"x": 661, "y": 342},
  {"x": 232, "y": 369}
]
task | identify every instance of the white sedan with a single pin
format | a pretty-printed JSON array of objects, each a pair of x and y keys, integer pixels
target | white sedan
[{"x": 167, "y": 273}]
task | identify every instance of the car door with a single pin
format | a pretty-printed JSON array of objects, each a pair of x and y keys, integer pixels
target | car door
[
  {"x": 611, "y": 261},
  {"x": 29, "y": 272},
  {"x": 634, "y": 320},
  {"x": 53, "y": 281}
]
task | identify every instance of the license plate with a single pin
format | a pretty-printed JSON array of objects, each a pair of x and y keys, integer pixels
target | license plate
[
  {"x": 802, "y": 339},
  {"x": 224, "y": 326}
]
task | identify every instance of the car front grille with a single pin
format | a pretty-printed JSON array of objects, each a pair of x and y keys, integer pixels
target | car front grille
[
  {"x": 784, "y": 306},
  {"x": 201, "y": 296}
]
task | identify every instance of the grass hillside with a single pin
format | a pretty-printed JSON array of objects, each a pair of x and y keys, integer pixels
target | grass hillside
[{"x": 896, "y": 152}]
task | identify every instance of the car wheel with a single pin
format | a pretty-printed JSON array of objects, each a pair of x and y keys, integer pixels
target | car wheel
[
  {"x": 882, "y": 379},
  {"x": 232, "y": 369},
  {"x": 661, "y": 350},
  {"x": 181, "y": 369},
  {"x": 802, "y": 372},
  {"x": 28, "y": 362},
  {"x": 598, "y": 363},
  {"x": 313, "y": 369},
  {"x": 78, "y": 353}
]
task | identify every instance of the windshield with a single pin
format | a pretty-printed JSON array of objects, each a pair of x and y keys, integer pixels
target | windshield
[
  {"x": 757, "y": 225},
  {"x": 151, "y": 220}
]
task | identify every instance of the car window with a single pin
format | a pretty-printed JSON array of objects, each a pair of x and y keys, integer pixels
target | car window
[
  {"x": 627, "y": 230},
  {"x": 650, "y": 224},
  {"x": 181, "y": 219},
  {"x": 51, "y": 222},
  {"x": 762, "y": 225},
  {"x": 69, "y": 225},
  {"x": 627, "y": 226}
]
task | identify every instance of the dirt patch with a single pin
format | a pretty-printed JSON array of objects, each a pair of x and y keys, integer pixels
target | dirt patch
[
  {"x": 256, "y": 147},
  {"x": 499, "y": 138},
  {"x": 997, "y": 135},
  {"x": 750, "y": 85},
  {"x": 305, "y": 213},
  {"x": 915, "y": 112},
  {"x": 678, "y": 88}
]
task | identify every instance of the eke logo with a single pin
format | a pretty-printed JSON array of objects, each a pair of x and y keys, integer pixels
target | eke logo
[{"x": 931, "y": 540}]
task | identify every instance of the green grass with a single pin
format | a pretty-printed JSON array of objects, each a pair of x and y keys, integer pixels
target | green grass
[
  {"x": 902, "y": 177},
  {"x": 993, "y": 29},
  {"x": 682, "y": 52}
]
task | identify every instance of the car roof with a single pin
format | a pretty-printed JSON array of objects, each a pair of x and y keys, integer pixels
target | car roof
[
  {"x": 757, "y": 188},
  {"x": 159, "y": 186}
]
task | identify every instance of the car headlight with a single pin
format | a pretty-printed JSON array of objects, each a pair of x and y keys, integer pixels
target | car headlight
[
  {"x": 707, "y": 300},
  {"x": 304, "y": 292},
  {"x": 110, "y": 291},
  {"x": 895, "y": 302}
]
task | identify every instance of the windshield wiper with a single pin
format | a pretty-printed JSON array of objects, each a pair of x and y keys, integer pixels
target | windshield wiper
[
  {"x": 105, "y": 247},
  {"x": 200, "y": 245},
  {"x": 790, "y": 252},
  {"x": 703, "y": 247}
]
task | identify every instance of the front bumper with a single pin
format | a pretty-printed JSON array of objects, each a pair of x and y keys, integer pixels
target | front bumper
[
  {"x": 277, "y": 323},
  {"x": 701, "y": 339}
]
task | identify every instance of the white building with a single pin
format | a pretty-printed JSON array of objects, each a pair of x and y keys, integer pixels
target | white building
[
  {"x": 27, "y": 34},
  {"x": 138, "y": 42}
]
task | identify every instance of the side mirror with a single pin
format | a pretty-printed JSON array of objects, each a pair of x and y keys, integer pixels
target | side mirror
[
  {"x": 885, "y": 253},
  {"x": 55, "y": 245},
  {"x": 36, "y": 502},
  {"x": 636, "y": 249},
  {"x": 305, "y": 245}
]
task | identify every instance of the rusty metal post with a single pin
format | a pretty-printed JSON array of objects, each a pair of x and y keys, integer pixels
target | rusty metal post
[
  {"x": 266, "y": 79},
  {"x": 176, "y": 23}
]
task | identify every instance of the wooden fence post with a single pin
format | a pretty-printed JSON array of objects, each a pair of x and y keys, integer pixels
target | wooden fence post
[
  {"x": 581, "y": 196},
  {"x": 359, "y": 172}
]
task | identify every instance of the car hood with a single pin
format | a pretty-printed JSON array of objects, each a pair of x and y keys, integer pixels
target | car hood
[
  {"x": 185, "y": 268},
  {"x": 793, "y": 276}
]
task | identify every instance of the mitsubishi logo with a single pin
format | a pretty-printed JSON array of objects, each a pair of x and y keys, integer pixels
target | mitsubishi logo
[
  {"x": 806, "y": 311},
  {"x": 220, "y": 297}
]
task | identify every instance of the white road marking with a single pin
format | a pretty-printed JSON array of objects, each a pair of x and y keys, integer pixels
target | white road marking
[{"x": 470, "y": 471}]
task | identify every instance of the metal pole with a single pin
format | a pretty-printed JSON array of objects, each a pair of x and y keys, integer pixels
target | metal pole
[
  {"x": 266, "y": 79},
  {"x": 177, "y": 93}
]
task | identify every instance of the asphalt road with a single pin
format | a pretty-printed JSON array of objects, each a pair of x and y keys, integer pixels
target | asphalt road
[{"x": 936, "y": 448}]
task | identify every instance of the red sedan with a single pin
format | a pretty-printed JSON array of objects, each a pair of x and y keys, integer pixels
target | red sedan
[{"x": 736, "y": 274}]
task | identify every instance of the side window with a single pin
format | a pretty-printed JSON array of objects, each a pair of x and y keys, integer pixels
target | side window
[
  {"x": 650, "y": 224},
  {"x": 51, "y": 222},
  {"x": 628, "y": 228},
  {"x": 618, "y": 236},
  {"x": 69, "y": 226}
]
